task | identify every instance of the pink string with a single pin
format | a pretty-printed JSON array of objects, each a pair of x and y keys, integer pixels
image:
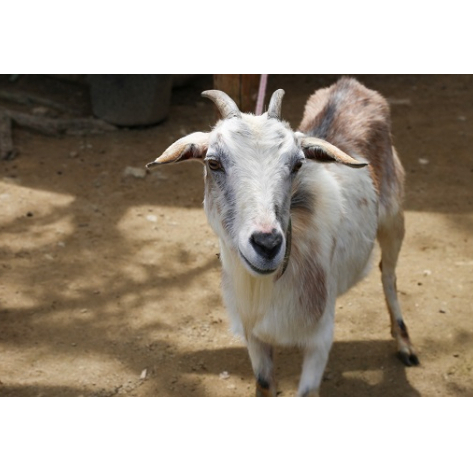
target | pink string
[{"x": 261, "y": 93}]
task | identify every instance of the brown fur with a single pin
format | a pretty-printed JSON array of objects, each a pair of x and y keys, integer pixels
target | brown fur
[
  {"x": 314, "y": 283},
  {"x": 374, "y": 178},
  {"x": 302, "y": 208},
  {"x": 301, "y": 221},
  {"x": 357, "y": 120},
  {"x": 312, "y": 278}
]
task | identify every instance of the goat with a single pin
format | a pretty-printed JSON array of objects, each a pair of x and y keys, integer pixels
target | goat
[{"x": 297, "y": 215}]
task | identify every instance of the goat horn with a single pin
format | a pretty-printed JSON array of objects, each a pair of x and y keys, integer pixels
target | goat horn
[
  {"x": 274, "y": 109},
  {"x": 225, "y": 105}
]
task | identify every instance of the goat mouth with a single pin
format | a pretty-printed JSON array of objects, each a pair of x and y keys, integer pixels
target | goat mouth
[{"x": 260, "y": 271}]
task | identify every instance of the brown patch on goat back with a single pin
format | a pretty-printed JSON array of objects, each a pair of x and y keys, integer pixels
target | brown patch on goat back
[
  {"x": 357, "y": 120},
  {"x": 313, "y": 108}
]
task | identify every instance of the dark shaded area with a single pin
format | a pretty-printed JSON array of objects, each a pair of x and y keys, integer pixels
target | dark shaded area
[{"x": 346, "y": 357}]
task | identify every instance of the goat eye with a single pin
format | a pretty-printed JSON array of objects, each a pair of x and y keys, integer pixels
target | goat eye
[
  {"x": 296, "y": 167},
  {"x": 215, "y": 165}
]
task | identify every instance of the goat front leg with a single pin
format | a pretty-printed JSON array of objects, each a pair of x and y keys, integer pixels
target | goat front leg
[
  {"x": 261, "y": 356},
  {"x": 316, "y": 356}
]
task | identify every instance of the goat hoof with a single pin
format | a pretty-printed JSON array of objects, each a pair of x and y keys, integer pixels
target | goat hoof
[
  {"x": 409, "y": 359},
  {"x": 265, "y": 389}
]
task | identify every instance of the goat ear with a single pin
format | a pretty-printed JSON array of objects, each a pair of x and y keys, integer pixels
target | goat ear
[
  {"x": 193, "y": 146},
  {"x": 321, "y": 150}
]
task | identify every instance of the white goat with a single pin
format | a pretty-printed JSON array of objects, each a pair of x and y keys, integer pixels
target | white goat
[{"x": 296, "y": 222}]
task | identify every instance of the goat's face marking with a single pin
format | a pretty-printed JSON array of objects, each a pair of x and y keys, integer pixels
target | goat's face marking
[{"x": 251, "y": 163}]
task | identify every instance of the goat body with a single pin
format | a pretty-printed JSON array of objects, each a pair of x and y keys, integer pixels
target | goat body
[{"x": 297, "y": 215}]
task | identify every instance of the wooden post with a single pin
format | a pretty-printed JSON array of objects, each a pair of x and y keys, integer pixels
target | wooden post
[{"x": 242, "y": 88}]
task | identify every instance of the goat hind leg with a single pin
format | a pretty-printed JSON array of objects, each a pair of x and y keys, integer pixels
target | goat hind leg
[{"x": 390, "y": 236}]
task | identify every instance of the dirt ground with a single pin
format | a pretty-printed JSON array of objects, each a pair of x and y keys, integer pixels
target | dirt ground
[{"x": 110, "y": 283}]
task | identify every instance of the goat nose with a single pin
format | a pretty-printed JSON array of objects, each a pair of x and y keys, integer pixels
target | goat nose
[{"x": 266, "y": 244}]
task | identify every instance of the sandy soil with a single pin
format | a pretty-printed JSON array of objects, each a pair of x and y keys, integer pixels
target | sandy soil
[{"x": 110, "y": 283}]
